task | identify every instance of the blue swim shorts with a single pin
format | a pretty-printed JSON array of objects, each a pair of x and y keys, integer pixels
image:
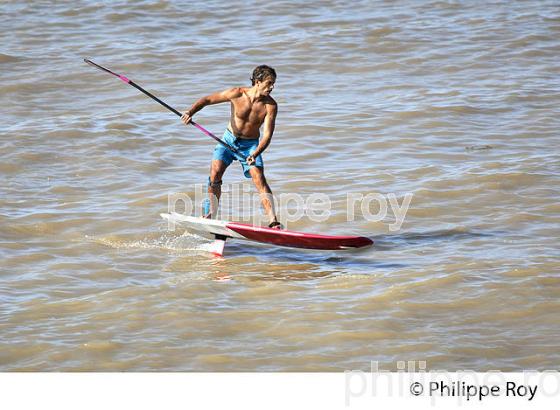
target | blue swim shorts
[{"x": 245, "y": 146}]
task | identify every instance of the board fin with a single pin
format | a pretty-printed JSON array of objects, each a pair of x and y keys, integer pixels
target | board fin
[{"x": 217, "y": 247}]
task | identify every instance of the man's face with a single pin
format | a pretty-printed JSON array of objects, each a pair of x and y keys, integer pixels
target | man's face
[{"x": 266, "y": 86}]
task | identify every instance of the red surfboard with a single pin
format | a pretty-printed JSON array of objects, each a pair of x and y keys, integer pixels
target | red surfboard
[
  {"x": 222, "y": 230},
  {"x": 295, "y": 239}
]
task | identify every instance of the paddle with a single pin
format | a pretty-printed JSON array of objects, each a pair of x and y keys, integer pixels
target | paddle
[{"x": 153, "y": 97}]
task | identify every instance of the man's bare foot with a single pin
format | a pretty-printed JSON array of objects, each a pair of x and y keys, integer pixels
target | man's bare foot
[{"x": 207, "y": 216}]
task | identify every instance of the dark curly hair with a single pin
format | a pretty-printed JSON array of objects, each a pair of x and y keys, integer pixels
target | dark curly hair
[{"x": 262, "y": 72}]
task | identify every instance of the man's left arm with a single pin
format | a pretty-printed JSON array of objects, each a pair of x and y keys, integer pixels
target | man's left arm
[{"x": 269, "y": 123}]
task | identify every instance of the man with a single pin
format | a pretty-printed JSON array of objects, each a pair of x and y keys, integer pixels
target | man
[{"x": 251, "y": 107}]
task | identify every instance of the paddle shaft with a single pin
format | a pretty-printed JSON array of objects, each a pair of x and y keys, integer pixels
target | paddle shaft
[{"x": 170, "y": 108}]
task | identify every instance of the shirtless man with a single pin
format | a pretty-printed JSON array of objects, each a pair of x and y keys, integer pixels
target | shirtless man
[{"x": 251, "y": 107}]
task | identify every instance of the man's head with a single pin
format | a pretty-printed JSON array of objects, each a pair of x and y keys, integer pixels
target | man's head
[
  {"x": 263, "y": 78},
  {"x": 262, "y": 73}
]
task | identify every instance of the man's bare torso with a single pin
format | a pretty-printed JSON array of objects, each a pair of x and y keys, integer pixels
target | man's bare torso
[{"x": 248, "y": 116}]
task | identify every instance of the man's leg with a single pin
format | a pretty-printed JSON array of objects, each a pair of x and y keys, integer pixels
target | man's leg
[
  {"x": 217, "y": 169},
  {"x": 257, "y": 174}
]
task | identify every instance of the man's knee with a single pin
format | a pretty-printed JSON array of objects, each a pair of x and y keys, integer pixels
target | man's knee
[
  {"x": 216, "y": 173},
  {"x": 258, "y": 175}
]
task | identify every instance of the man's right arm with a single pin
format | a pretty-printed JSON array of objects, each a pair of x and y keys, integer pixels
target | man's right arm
[{"x": 216, "y": 98}]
